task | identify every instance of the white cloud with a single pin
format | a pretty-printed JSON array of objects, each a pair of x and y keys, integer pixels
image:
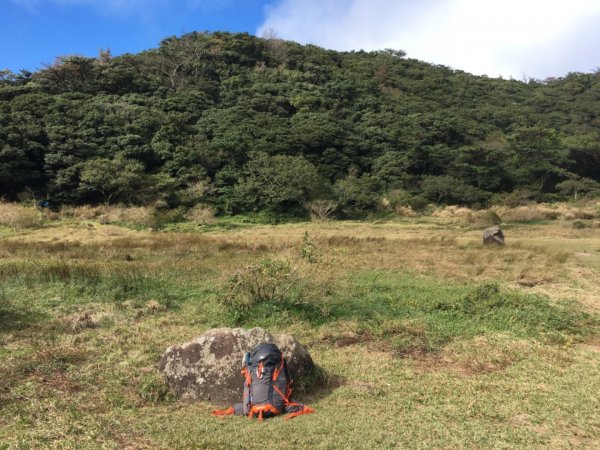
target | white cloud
[{"x": 538, "y": 38}]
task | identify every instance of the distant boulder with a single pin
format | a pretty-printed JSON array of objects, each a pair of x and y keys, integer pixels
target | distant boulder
[
  {"x": 208, "y": 367},
  {"x": 493, "y": 235}
]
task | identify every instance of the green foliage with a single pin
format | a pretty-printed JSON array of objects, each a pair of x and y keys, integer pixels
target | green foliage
[
  {"x": 269, "y": 182},
  {"x": 452, "y": 191},
  {"x": 425, "y": 314},
  {"x": 578, "y": 187},
  {"x": 267, "y": 124},
  {"x": 539, "y": 157},
  {"x": 356, "y": 196},
  {"x": 273, "y": 291},
  {"x": 114, "y": 179},
  {"x": 309, "y": 249}
]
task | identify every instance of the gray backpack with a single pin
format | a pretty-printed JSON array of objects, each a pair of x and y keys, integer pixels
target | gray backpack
[{"x": 267, "y": 386}]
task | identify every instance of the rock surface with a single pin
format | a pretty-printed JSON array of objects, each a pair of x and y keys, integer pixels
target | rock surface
[
  {"x": 493, "y": 235},
  {"x": 208, "y": 367}
]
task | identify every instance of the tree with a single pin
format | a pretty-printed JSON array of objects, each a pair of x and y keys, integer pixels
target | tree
[
  {"x": 391, "y": 170},
  {"x": 272, "y": 181},
  {"x": 539, "y": 157},
  {"x": 451, "y": 191},
  {"x": 356, "y": 195},
  {"x": 113, "y": 179}
]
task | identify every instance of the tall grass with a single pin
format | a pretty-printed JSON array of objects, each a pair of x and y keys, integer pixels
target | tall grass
[{"x": 18, "y": 216}]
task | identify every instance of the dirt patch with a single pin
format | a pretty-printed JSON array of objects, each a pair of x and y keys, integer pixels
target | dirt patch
[
  {"x": 60, "y": 382},
  {"x": 440, "y": 362},
  {"x": 345, "y": 340},
  {"x": 520, "y": 420}
]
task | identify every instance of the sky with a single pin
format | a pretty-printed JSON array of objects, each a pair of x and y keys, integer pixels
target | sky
[{"x": 519, "y": 39}]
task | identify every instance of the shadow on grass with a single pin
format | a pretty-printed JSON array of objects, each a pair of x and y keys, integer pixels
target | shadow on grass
[
  {"x": 316, "y": 385},
  {"x": 15, "y": 320}
]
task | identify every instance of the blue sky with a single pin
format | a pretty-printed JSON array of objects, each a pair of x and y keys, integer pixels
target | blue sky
[
  {"x": 33, "y": 32},
  {"x": 509, "y": 38}
]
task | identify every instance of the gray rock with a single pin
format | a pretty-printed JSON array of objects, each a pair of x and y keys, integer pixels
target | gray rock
[
  {"x": 208, "y": 367},
  {"x": 493, "y": 235}
]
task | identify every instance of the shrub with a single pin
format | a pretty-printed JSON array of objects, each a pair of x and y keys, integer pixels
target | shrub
[
  {"x": 320, "y": 210},
  {"x": 529, "y": 213},
  {"x": 404, "y": 211},
  {"x": 163, "y": 217},
  {"x": 309, "y": 249},
  {"x": 274, "y": 289},
  {"x": 84, "y": 212},
  {"x": 201, "y": 214},
  {"x": 17, "y": 216},
  {"x": 488, "y": 216},
  {"x": 356, "y": 196},
  {"x": 267, "y": 281},
  {"x": 454, "y": 212}
]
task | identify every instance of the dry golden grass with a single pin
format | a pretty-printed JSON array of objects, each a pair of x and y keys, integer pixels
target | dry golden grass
[
  {"x": 553, "y": 258},
  {"x": 133, "y": 215},
  {"x": 17, "y": 216},
  {"x": 89, "y": 363},
  {"x": 453, "y": 212},
  {"x": 201, "y": 215},
  {"x": 550, "y": 211},
  {"x": 585, "y": 210}
]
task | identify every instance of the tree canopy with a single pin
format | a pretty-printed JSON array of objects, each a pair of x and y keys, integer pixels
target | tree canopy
[{"x": 269, "y": 124}]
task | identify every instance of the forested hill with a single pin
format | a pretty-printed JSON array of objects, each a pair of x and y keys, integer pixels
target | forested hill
[{"x": 243, "y": 123}]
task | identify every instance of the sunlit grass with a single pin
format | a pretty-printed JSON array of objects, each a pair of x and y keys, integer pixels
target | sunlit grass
[{"x": 426, "y": 338}]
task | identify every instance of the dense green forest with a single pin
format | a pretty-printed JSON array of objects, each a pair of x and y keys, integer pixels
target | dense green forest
[{"x": 242, "y": 123}]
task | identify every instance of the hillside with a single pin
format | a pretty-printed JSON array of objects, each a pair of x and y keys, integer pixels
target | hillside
[{"x": 244, "y": 124}]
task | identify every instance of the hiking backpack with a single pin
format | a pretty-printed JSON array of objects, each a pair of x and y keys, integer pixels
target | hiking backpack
[{"x": 267, "y": 386}]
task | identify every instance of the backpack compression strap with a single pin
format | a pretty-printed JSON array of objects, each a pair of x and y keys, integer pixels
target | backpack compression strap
[
  {"x": 263, "y": 409},
  {"x": 224, "y": 412},
  {"x": 305, "y": 410}
]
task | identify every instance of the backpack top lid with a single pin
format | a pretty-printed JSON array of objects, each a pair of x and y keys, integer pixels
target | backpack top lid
[{"x": 266, "y": 352}]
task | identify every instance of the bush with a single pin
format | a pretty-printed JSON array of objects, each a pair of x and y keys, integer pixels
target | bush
[
  {"x": 267, "y": 281},
  {"x": 201, "y": 214},
  {"x": 320, "y": 210},
  {"x": 17, "y": 216},
  {"x": 134, "y": 215},
  {"x": 356, "y": 196},
  {"x": 529, "y": 213},
  {"x": 84, "y": 212},
  {"x": 163, "y": 217},
  {"x": 272, "y": 289}
]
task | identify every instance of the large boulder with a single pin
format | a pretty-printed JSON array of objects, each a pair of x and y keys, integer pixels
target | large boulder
[
  {"x": 493, "y": 235},
  {"x": 208, "y": 367}
]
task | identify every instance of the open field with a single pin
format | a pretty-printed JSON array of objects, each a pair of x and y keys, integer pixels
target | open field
[{"x": 427, "y": 339}]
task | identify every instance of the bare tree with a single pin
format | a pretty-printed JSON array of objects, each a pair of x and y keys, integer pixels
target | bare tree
[{"x": 320, "y": 210}]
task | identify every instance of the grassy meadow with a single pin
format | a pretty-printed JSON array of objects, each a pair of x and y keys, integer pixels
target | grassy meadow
[{"x": 425, "y": 338}]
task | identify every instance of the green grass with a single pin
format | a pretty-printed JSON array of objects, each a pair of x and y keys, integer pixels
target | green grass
[{"x": 407, "y": 359}]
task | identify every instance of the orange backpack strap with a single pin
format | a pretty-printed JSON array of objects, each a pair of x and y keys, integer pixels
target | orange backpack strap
[
  {"x": 305, "y": 410},
  {"x": 247, "y": 376},
  {"x": 260, "y": 409},
  {"x": 224, "y": 412},
  {"x": 285, "y": 398}
]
